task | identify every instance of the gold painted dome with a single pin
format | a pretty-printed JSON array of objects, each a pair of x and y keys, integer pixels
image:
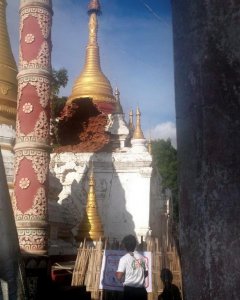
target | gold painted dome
[
  {"x": 92, "y": 83},
  {"x": 8, "y": 73}
]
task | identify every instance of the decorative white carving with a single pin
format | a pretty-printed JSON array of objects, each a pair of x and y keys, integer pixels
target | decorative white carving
[
  {"x": 42, "y": 60},
  {"x": 42, "y": 86},
  {"x": 29, "y": 38},
  {"x": 40, "y": 166},
  {"x": 40, "y": 132},
  {"x": 33, "y": 239},
  {"x": 24, "y": 183},
  {"x": 117, "y": 125},
  {"x": 43, "y": 90},
  {"x": 41, "y": 128},
  {"x": 43, "y": 17},
  {"x": 32, "y": 224},
  {"x": 27, "y": 108},
  {"x": 39, "y": 160}
]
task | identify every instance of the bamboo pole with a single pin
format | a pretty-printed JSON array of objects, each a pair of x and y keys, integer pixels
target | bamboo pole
[{"x": 87, "y": 269}]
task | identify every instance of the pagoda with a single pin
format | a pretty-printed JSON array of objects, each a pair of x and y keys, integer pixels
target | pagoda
[
  {"x": 125, "y": 195},
  {"x": 128, "y": 199},
  {"x": 92, "y": 83},
  {"x": 91, "y": 226}
]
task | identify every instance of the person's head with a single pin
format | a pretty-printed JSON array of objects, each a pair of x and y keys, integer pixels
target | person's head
[
  {"x": 129, "y": 242},
  {"x": 166, "y": 276}
]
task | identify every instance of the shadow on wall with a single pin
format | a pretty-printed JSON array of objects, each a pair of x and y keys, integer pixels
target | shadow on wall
[
  {"x": 110, "y": 195},
  {"x": 88, "y": 135},
  {"x": 161, "y": 212}
]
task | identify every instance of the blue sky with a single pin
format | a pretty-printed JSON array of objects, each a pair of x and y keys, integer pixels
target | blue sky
[{"x": 135, "y": 39}]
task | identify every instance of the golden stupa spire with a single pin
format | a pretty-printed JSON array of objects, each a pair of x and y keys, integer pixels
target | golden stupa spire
[
  {"x": 91, "y": 225},
  {"x": 138, "y": 134},
  {"x": 8, "y": 73},
  {"x": 92, "y": 83}
]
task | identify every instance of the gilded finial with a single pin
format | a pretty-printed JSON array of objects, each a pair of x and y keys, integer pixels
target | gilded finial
[
  {"x": 130, "y": 122},
  {"x": 94, "y": 7},
  {"x": 131, "y": 117},
  {"x": 91, "y": 225},
  {"x": 8, "y": 73},
  {"x": 138, "y": 134},
  {"x": 119, "y": 109},
  {"x": 92, "y": 83}
]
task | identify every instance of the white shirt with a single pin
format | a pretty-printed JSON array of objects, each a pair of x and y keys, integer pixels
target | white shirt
[{"x": 133, "y": 266}]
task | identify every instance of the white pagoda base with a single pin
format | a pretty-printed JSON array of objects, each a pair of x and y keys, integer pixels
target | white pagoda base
[{"x": 123, "y": 190}]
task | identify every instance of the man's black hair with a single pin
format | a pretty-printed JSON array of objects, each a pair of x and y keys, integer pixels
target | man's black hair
[
  {"x": 129, "y": 242},
  {"x": 166, "y": 275}
]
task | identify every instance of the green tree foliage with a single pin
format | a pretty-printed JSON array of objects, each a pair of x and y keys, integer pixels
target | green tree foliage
[
  {"x": 59, "y": 79},
  {"x": 165, "y": 158}
]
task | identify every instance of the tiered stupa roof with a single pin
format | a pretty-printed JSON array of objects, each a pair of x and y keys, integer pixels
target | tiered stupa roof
[{"x": 92, "y": 83}]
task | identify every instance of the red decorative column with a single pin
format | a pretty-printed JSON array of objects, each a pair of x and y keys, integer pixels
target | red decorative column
[{"x": 32, "y": 128}]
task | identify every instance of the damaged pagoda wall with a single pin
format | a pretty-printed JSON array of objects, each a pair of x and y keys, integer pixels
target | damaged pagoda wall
[{"x": 127, "y": 190}]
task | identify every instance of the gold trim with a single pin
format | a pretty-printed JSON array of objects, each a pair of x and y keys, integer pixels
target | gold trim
[
  {"x": 10, "y": 185},
  {"x": 6, "y": 147},
  {"x": 6, "y": 121},
  {"x": 138, "y": 134}
]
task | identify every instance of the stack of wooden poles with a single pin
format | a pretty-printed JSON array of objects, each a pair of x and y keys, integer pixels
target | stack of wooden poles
[{"x": 87, "y": 268}]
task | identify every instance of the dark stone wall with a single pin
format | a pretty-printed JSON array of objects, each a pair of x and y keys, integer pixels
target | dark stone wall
[
  {"x": 9, "y": 246},
  {"x": 207, "y": 80}
]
